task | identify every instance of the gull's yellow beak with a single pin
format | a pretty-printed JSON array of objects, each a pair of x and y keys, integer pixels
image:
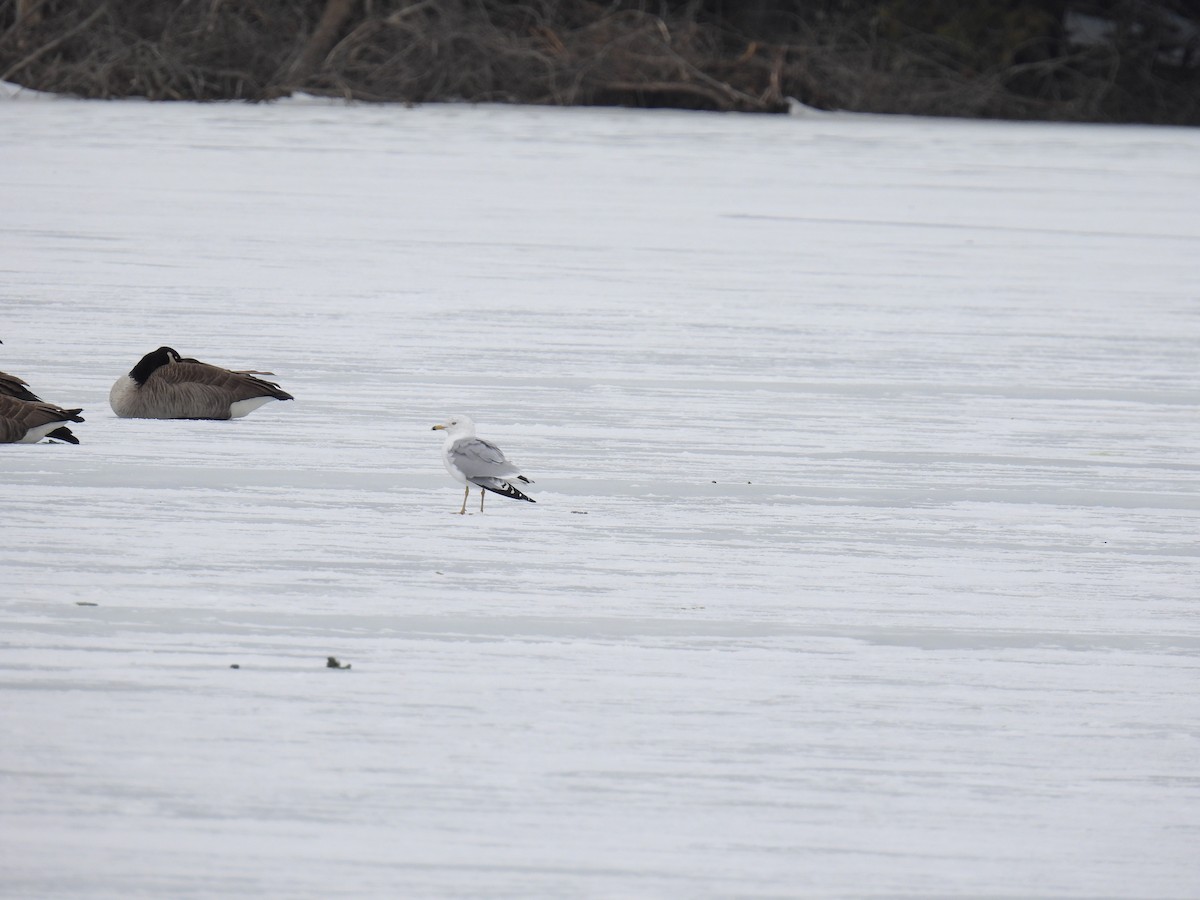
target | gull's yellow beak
[{"x": 438, "y": 428}]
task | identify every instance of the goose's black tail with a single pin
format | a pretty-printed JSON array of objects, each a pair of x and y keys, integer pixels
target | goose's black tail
[{"x": 63, "y": 434}]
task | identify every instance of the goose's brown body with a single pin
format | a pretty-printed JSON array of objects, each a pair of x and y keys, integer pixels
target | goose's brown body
[
  {"x": 164, "y": 385},
  {"x": 15, "y": 388},
  {"x": 28, "y": 421}
]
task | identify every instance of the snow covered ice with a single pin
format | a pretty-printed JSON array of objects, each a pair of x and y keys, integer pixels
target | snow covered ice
[{"x": 864, "y": 559}]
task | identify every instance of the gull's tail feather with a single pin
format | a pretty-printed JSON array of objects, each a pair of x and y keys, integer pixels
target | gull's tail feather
[{"x": 503, "y": 488}]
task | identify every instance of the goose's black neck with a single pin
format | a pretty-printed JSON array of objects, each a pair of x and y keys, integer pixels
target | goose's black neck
[{"x": 152, "y": 361}]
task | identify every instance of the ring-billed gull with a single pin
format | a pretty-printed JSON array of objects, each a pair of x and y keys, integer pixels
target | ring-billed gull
[
  {"x": 164, "y": 385},
  {"x": 474, "y": 461}
]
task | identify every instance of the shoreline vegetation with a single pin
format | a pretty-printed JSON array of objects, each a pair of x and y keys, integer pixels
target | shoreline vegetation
[{"x": 1053, "y": 60}]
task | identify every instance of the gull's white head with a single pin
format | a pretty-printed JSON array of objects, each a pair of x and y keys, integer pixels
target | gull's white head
[{"x": 456, "y": 427}]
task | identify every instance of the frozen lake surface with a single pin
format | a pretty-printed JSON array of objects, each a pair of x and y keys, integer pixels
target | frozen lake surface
[{"x": 864, "y": 560}]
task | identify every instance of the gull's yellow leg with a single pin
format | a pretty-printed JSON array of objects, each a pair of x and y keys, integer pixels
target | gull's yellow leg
[
  {"x": 463, "y": 511},
  {"x": 482, "y": 494}
]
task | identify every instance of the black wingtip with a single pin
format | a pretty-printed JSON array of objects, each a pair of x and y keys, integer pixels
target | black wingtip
[{"x": 504, "y": 489}]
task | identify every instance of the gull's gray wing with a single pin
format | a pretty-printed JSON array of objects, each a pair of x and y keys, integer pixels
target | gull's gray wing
[{"x": 479, "y": 459}]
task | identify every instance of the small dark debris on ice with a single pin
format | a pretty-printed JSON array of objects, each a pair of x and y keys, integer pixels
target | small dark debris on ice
[{"x": 332, "y": 663}]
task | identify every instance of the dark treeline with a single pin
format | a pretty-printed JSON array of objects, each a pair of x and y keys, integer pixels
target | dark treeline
[{"x": 1120, "y": 61}]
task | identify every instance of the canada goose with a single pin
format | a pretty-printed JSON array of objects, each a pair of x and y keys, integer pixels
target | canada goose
[
  {"x": 28, "y": 421},
  {"x": 474, "y": 461},
  {"x": 15, "y": 388},
  {"x": 164, "y": 385}
]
